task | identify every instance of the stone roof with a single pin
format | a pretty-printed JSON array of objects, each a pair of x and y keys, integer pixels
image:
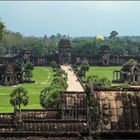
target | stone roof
[
  {"x": 129, "y": 67},
  {"x": 11, "y": 67},
  {"x": 9, "y": 55}
]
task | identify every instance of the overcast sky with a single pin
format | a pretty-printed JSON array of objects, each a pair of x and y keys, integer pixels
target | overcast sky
[{"x": 76, "y": 18}]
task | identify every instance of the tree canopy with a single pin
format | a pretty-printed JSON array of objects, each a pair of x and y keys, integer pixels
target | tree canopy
[
  {"x": 12, "y": 42},
  {"x": 19, "y": 97},
  {"x": 132, "y": 62},
  {"x": 113, "y": 34},
  {"x": 1, "y": 29},
  {"x": 53, "y": 64},
  {"x": 50, "y": 95},
  {"x": 96, "y": 81},
  {"x": 28, "y": 67}
]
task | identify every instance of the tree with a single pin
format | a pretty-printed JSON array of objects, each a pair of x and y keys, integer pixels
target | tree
[
  {"x": 58, "y": 36},
  {"x": 104, "y": 48},
  {"x": 28, "y": 71},
  {"x": 52, "y": 37},
  {"x": 45, "y": 38},
  {"x": 132, "y": 62},
  {"x": 50, "y": 97},
  {"x": 75, "y": 67},
  {"x": 1, "y": 29},
  {"x": 80, "y": 73},
  {"x": 96, "y": 81},
  {"x": 28, "y": 74},
  {"x": 60, "y": 80},
  {"x": 17, "y": 62},
  {"x": 44, "y": 97},
  {"x": 84, "y": 67},
  {"x": 113, "y": 34},
  {"x": 19, "y": 97},
  {"x": 29, "y": 65},
  {"x": 93, "y": 103},
  {"x": 53, "y": 64}
]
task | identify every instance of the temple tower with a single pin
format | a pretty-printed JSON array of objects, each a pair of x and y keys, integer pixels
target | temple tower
[
  {"x": 64, "y": 51},
  {"x": 104, "y": 55}
]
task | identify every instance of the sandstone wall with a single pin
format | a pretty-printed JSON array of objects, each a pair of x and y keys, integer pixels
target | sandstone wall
[{"x": 120, "y": 110}]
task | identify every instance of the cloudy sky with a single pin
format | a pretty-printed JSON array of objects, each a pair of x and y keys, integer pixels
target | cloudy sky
[{"x": 76, "y": 18}]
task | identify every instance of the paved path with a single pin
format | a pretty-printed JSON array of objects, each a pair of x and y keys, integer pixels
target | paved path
[{"x": 73, "y": 83}]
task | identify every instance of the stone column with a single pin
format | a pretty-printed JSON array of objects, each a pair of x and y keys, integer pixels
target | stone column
[
  {"x": 113, "y": 75},
  {"x": 5, "y": 81},
  {"x": 133, "y": 78},
  {"x": 120, "y": 76},
  {"x": 116, "y": 75}
]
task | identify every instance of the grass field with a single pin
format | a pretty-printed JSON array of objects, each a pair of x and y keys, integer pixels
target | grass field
[
  {"x": 103, "y": 71},
  {"x": 42, "y": 76}
]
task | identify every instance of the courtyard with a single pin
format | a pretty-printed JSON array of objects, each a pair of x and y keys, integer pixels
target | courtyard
[{"x": 43, "y": 77}]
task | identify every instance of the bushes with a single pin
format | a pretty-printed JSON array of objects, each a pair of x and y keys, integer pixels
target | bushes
[
  {"x": 96, "y": 81},
  {"x": 53, "y": 64},
  {"x": 50, "y": 96},
  {"x": 132, "y": 62},
  {"x": 83, "y": 68}
]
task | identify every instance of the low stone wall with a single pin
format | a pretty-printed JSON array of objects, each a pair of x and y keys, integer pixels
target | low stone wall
[
  {"x": 40, "y": 138},
  {"x": 40, "y": 114},
  {"x": 120, "y": 110},
  {"x": 42, "y": 122}
]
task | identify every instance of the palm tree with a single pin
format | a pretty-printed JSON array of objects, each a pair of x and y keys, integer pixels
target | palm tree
[{"x": 18, "y": 97}]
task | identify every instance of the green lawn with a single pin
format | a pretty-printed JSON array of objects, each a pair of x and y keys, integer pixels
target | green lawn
[
  {"x": 103, "y": 71},
  {"x": 42, "y": 76}
]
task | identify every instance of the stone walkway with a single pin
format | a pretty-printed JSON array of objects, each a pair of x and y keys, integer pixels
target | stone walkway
[{"x": 73, "y": 82}]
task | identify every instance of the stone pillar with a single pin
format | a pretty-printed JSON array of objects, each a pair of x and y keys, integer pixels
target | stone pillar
[
  {"x": 133, "y": 78},
  {"x": 10, "y": 79},
  {"x": 120, "y": 76},
  {"x": 5, "y": 81},
  {"x": 117, "y": 75},
  {"x": 113, "y": 75}
]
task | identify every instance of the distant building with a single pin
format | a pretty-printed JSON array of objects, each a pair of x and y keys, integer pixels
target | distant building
[
  {"x": 9, "y": 58},
  {"x": 66, "y": 55},
  {"x": 104, "y": 55},
  {"x": 10, "y": 74},
  {"x": 25, "y": 55},
  {"x": 127, "y": 74},
  {"x": 22, "y": 57},
  {"x": 64, "y": 51}
]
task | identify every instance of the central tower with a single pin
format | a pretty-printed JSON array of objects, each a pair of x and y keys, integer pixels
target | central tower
[{"x": 64, "y": 51}]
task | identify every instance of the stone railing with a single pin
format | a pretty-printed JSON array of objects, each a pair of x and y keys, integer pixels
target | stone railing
[{"x": 41, "y": 114}]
